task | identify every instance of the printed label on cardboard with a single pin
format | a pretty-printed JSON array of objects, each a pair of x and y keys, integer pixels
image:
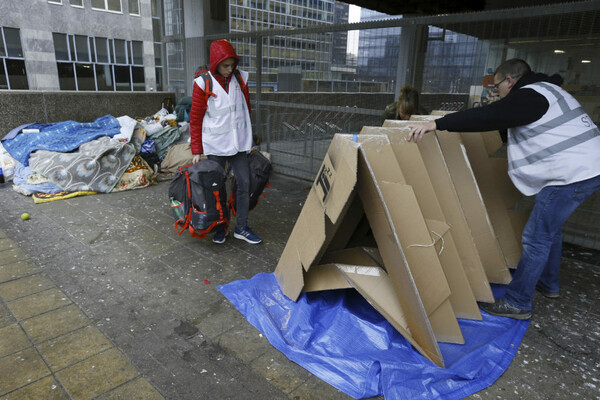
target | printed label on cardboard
[{"x": 324, "y": 180}]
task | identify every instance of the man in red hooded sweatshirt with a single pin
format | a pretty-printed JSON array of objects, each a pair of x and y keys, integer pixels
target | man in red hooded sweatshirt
[{"x": 220, "y": 128}]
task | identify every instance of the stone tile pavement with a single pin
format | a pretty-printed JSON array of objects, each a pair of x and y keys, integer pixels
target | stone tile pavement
[
  {"x": 101, "y": 299},
  {"x": 49, "y": 348}
]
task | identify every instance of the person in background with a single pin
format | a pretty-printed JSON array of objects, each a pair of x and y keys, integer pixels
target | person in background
[
  {"x": 553, "y": 153},
  {"x": 406, "y": 105},
  {"x": 220, "y": 128}
]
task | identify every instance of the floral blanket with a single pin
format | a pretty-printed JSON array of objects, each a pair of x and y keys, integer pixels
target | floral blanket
[{"x": 96, "y": 165}]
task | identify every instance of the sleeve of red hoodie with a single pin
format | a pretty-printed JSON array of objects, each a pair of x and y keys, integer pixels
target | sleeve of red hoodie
[{"x": 196, "y": 117}]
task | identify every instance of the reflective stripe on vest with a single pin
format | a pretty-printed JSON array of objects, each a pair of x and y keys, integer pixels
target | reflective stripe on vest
[
  {"x": 226, "y": 128},
  {"x": 548, "y": 151}
]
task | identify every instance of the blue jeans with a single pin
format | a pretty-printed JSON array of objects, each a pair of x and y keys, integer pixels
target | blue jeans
[
  {"x": 542, "y": 240},
  {"x": 241, "y": 170}
]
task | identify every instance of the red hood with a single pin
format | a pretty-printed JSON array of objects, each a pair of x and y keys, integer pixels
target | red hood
[{"x": 221, "y": 50}]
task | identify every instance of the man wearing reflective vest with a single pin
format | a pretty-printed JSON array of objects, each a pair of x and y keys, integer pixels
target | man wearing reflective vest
[
  {"x": 220, "y": 127},
  {"x": 553, "y": 153}
]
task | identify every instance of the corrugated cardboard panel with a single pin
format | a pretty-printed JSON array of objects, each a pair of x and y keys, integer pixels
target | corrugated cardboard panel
[
  {"x": 415, "y": 173},
  {"x": 391, "y": 208},
  {"x": 309, "y": 238},
  {"x": 403, "y": 284},
  {"x": 496, "y": 190},
  {"x": 473, "y": 207},
  {"x": 324, "y": 277},
  {"x": 453, "y": 213}
]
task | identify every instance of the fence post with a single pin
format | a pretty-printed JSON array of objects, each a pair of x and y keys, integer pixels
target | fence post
[{"x": 259, "y": 82}]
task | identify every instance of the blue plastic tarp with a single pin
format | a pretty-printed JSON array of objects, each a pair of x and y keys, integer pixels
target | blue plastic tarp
[{"x": 339, "y": 337}]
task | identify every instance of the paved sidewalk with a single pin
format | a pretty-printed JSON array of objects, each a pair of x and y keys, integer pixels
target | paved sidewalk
[{"x": 100, "y": 299}]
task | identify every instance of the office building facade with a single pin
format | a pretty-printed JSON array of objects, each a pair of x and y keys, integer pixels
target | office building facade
[{"x": 97, "y": 45}]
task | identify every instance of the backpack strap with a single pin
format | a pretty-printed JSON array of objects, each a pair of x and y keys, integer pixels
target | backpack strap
[
  {"x": 238, "y": 76},
  {"x": 205, "y": 75}
]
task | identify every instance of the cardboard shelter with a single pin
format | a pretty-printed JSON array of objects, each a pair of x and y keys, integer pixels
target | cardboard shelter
[
  {"x": 446, "y": 199},
  {"x": 471, "y": 199},
  {"x": 402, "y": 277},
  {"x": 413, "y": 172},
  {"x": 498, "y": 192}
]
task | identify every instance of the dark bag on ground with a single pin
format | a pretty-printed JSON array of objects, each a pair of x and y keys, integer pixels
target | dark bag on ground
[
  {"x": 198, "y": 198},
  {"x": 260, "y": 172}
]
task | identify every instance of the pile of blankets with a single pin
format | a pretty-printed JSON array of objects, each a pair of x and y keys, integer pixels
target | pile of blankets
[{"x": 67, "y": 159}]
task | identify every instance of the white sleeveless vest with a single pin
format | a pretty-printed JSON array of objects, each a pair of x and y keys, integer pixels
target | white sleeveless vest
[
  {"x": 560, "y": 148},
  {"x": 226, "y": 128}
]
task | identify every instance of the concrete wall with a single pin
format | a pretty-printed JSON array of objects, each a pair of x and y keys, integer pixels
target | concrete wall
[{"x": 25, "y": 106}]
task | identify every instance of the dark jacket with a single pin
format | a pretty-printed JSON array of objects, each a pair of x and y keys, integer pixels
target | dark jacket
[{"x": 519, "y": 107}]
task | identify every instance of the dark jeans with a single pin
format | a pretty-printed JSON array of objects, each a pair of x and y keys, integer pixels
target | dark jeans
[
  {"x": 542, "y": 240},
  {"x": 241, "y": 170}
]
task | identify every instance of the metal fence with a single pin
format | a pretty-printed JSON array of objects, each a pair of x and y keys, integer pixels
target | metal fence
[
  {"x": 309, "y": 83},
  {"x": 298, "y": 136}
]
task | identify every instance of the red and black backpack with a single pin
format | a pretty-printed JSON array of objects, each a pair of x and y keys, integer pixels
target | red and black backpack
[{"x": 198, "y": 199}]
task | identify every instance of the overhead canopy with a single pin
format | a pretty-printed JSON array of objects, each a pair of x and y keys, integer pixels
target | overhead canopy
[{"x": 435, "y": 7}]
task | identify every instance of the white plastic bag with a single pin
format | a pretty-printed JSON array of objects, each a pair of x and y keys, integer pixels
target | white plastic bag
[{"x": 7, "y": 163}]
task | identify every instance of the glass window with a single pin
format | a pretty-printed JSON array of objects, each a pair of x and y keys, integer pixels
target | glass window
[
  {"x": 109, "y": 5},
  {"x": 55, "y": 1},
  {"x": 2, "y": 49},
  {"x": 61, "y": 50},
  {"x": 13, "y": 42},
  {"x": 85, "y": 77},
  {"x": 66, "y": 76},
  {"x": 158, "y": 54},
  {"x": 122, "y": 78},
  {"x": 111, "y": 50},
  {"x": 3, "y": 80},
  {"x": 104, "y": 78},
  {"x": 71, "y": 41},
  {"x": 102, "y": 50},
  {"x": 120, "y": 52},
  {"x": 83, "y": 53},
  {"x": 139, "y": 84},
  {"x": 114, "y": 5},
  {"x": 156, "y": 29},
  {"x": 159, "y": 80},
  {"x": 76, "y": 3},
  {"x": 137, "y": 52},
  {"x": 92, "y": 49},
  {"x": 155, "y": 8},
  {"x": 134, "y": 7}
]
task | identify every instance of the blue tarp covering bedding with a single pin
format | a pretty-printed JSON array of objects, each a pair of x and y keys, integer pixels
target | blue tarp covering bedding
[
  {"x": 340, "y": 338},
  {"x": 61, "y": 137}
]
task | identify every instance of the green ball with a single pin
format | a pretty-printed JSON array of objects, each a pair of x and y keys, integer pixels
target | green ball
[{"x": 25, "y": 216}]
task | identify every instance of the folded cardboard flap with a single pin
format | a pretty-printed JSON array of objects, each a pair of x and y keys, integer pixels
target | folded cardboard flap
[
  {"x": 473, "y": 206},
  {"x": 413, "y": 168},
  {"x": 497, "y": 191},
  {"x": 449, "y": 202},
  {"x": 318, "y": 221},
  {"x": 378, "y": 290}
]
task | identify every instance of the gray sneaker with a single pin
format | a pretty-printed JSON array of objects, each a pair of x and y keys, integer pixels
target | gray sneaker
[{"x": 501, "y": 308}]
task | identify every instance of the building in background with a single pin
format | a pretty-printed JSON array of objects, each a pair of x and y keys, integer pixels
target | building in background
[
  {"x": 378, "y": 51},
  {"x": 98, "y": 45}
]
